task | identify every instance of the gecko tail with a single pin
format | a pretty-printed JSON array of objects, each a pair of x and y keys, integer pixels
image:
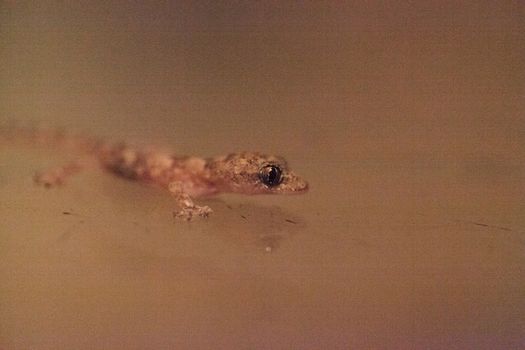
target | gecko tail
[{"x": 37, "y": 136}]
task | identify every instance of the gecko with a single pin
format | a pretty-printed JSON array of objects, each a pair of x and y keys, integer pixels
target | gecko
[{"x": 184, "y": 177}]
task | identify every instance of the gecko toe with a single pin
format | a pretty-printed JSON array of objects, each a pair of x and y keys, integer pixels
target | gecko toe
[
  {"x": 47, "y": 180},
  {"x": 190, "y": 213}
]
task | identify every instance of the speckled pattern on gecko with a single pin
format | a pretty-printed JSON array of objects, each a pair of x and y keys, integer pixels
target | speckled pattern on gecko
[{"x": 185, "y": 177}]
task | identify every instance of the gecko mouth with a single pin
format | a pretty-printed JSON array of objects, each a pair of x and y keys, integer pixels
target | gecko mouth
[
  {"x": 292, "y": 184},
  {"x": 301, "y": 187},
  {"x": 304, "y": 187}
]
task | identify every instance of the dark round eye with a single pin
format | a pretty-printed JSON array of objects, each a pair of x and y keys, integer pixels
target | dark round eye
[{"x": 270, "y": 175}]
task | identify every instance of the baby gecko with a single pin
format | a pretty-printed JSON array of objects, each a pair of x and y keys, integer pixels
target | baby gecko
[{"x": 185, "y": 177}]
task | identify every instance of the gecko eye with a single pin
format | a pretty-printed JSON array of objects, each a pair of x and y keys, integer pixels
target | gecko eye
[{"x": 270, "y": 175}]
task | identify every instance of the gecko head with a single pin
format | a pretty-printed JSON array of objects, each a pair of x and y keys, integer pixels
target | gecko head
[{"x": 255, "y": 173}]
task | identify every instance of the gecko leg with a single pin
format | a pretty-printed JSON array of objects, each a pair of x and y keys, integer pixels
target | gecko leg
[
  {"x": 189, "y": 210},
  {"x": 57, "y": 176}
]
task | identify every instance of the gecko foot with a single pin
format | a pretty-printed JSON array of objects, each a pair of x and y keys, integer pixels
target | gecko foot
[
  {"x": 190, "y": 213},
  {"x": 49, "y": 179},
  {"x": 57, "y": 176}
]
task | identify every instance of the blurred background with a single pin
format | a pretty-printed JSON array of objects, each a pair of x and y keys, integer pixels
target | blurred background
[{"x": 406, "y": 118}]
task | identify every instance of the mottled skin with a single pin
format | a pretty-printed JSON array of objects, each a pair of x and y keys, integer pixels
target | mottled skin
[{"x": 185, "y": 177}]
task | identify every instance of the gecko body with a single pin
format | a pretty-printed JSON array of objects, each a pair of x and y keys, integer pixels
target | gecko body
[{"x": 185, "y": 177}]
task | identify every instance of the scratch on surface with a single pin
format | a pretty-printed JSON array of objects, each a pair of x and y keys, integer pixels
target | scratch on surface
[{"x": 489, "y": 226}]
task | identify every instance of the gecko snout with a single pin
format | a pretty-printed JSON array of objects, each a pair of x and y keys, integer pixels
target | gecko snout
[{"x": 292, "y": 184}]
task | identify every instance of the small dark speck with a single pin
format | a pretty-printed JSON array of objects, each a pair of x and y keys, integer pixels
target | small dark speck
[
  {"x": 291, "y": 221},
  {"x": 229, "y": 206},
  {"x": 67, "y": 213},
  {"x": 244, "y": 217},
  {"x": 480, "y": 224}
]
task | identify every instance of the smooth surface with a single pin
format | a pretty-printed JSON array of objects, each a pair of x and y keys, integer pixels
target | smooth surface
[{"x": 406, "y": 119}]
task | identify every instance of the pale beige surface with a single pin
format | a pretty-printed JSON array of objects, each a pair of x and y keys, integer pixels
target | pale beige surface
[{"x": 407, "y": 120}]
